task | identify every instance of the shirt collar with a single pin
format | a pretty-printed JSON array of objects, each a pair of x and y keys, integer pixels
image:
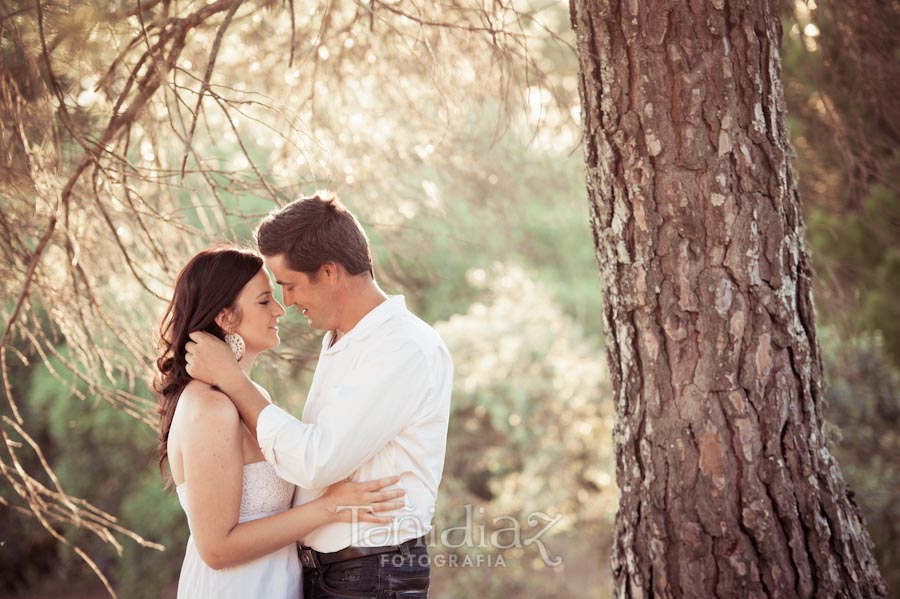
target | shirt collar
[{"x": 393, "y": 305}]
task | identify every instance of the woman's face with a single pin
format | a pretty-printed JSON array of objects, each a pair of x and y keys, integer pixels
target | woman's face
[{"x": 259, "y": 312}]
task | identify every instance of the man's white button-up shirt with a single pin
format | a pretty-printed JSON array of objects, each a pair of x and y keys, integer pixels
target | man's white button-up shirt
[{"x": 378, "y": 406}]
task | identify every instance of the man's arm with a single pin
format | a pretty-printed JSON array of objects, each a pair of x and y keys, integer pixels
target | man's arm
[
  {"x": 365, "y": 411},
  {"x": 210, "y": 360}
]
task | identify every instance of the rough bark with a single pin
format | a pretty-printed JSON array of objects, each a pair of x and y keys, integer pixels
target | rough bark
[{"x": 727, "y": 486}]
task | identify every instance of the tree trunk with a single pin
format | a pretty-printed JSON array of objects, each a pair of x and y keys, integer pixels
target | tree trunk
[{"x": 727, "y": 486}]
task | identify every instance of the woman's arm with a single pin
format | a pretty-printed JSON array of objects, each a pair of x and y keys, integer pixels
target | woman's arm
[
  {"x": 213, "y": 471},
  {"x": 251, "y": 540}
]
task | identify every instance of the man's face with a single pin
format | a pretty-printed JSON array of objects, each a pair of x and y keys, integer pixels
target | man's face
[{"x": 314, "y": 299}]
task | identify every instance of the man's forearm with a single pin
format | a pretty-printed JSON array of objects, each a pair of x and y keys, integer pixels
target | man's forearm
[{"x": 248, "y": 400}]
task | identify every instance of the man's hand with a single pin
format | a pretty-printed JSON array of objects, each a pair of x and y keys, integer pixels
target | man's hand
[{"x": 210, "y": 360}]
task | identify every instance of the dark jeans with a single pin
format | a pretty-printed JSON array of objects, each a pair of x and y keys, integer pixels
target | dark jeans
[{"x": 385, "y": 576}]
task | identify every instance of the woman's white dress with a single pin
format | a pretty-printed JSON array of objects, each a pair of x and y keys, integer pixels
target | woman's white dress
[{"x": 273, "y": 576}]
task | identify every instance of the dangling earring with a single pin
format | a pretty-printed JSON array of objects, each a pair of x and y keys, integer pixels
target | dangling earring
[{"x": 236, "y": 343}]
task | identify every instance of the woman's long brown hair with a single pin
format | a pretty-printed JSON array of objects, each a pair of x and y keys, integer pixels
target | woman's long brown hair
[{"x": 209, "y": 283}]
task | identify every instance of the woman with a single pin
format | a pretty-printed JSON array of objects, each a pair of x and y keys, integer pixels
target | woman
[{"x": 243, "y": 529}]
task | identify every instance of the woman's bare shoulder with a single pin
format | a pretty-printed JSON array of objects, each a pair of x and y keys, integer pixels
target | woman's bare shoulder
[{"x": 200, "y": 401}]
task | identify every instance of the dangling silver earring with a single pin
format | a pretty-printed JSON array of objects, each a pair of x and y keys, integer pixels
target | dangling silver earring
[{"x": 236, "y": 343}]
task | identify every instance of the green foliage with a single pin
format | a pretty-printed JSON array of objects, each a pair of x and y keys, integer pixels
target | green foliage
[
  {"x": 100, "y": 454},
  {"x": 514, "y": 200},
  {"x": 862, "y": 247},
  {"x": 841, "y": 78},
  {"x": 841, "y": 86},
  {"x": 157, "y": 514},
  {"x": 864, "y": 407},
  {"x": 529, "y": 437}
]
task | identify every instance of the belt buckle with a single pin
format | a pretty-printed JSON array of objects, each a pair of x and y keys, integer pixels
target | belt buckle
[{"x": 309, "y": 559}]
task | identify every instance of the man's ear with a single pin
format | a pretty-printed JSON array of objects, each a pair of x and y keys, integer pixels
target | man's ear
[{"x": 330, "y": 271}]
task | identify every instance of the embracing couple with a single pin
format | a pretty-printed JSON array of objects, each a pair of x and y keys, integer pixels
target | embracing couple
[{"x": 354, "y": 481}]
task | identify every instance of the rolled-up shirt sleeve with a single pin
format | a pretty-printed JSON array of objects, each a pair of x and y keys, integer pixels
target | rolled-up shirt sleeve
[{"x": 368, "y": 408}]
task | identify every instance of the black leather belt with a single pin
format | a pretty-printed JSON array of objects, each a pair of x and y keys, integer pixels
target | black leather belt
[{"x": 310, "y": 558}]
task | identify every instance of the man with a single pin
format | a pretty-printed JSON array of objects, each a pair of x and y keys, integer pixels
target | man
[{"x": 379, "y": 403}]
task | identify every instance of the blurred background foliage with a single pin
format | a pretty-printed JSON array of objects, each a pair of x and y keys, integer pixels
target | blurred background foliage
[
  {"x": 842, "y": 85},
  {"x": 457, "y": 145}
]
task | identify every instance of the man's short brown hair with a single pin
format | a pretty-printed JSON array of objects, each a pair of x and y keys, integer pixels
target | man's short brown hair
[{"x": 314, "y": 230}]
